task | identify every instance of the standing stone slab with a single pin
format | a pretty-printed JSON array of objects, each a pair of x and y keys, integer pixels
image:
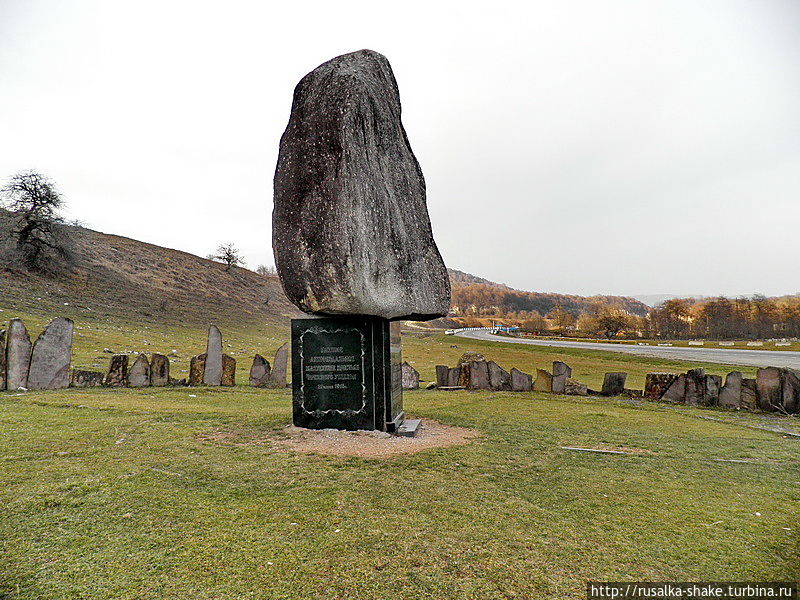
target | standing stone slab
[
  {"x": 614, "y": 384},
  {"x": 499, "y": 378},
  {"x": 520, "y": 382},
  {"x": 18, "y": 355},
  {"x": 768, "y": 388},
  {"x": 730, "y": 396},
  {"x": 213, "y": 369},
  {"x": 228, "y": 371},
  {"x": 139, "y": 374},
  {"x": 197, "y": 367},
  {"x": 280, "y": 366},
  {"x": 351, "y": 232},
  {"x": 479, "y": 375},
  {"x": 561, "y": 372},
  {"x": 791, "y": 390},
  {"x": 51, "y": 356},
  {"x": 442, "y": 371},
  {"x": 159, "y": 370},
  {"x": 749, "y": 399},
  {"x": 544, "y": 381},
  {"x": 695, "y": 387},
  {"x": 2, "y": 359},
  {"x": 676, "y": 392},
  {"x": 713, "y": 386},
  {"x": 573, "y": 387},
  {"x": 657, "y": 383},
  {"x": 410, "y": 377},
  {"x": 454, "y": 377},
  {"x": 260, "y": 371},
  {"x": 117, "y": 371},
  {"x": 83, "y": 379}
]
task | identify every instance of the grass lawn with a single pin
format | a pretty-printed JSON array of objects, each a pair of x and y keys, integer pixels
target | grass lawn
[{"x": 119, "y": 494}]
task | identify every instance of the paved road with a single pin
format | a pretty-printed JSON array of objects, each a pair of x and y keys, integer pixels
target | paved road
[{"x": 726, "y": 356}]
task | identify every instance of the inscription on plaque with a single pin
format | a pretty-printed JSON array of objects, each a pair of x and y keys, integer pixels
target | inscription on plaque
[{"x": 332, "y": 369}]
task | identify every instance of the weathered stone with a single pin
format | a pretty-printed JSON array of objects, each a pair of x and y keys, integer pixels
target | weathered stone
[
  {"x": 768, "y": 388},
  {"x": 520, "y": 382},
  {"x": 561, "y": 372},
  {"x": 228, "y": 370},
  {"x": 453, "y": 376},
  {"x": 573, "y": 387},
  {"x": 676, "y": 392},
  {"x": 159, "y": 370},
  {"x": 260, "y": 372},
  {"x": 613, "y": 384},
  {"x": 139, "y": 374},
  {"x": 544, "y": 381},
  {"x": 279, "y": 367},
  {"x": 117, "y": 375},
  {"x": 51, "y": 356},
  {"x": 351, "y": 232},
  {"x": 410, "y": 377},
  {"x": 178, "y": 382},
  {"x": 657, "y": 383},
  {"x": 730, "y": 396},
  {"x": 197, "y": 366},
  {"x": 749, "y": 398},
  {"x": 442, "y": 372},
  {"x": 713, "y": 386},
  {"x": 791, "y": 390},
  {"x": 478, "y": 375},
  {"x": 18, "y": 355},
  {"x": 499, "y": 378},
  {"x": 695, "y": 387},
  {"x": 212, "y": 375},
  {"x": 469, "y": 357},
  {"x": 82, "y": 379},
  {"x": 2, "y": 359}
]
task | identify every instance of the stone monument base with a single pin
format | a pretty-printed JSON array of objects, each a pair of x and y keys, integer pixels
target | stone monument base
[{"x": 346, "y": 373}]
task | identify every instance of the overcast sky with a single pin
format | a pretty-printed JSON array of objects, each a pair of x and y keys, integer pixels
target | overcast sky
[{"x": 581, "y": 147}]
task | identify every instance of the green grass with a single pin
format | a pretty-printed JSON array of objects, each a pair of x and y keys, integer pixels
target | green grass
[{"x": 116, "y": 494}]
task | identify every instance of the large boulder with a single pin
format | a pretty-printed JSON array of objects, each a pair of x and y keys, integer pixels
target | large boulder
[
  {"x": 613, "y": 384},
  {"x": 442, "y": 372},
  {"x": 520, "y": 382},
  {"x": 212, "y": 373},
  {"x": 791, "y": 390},
  {"x": 657, "y": 383},
  {"x": 478, "y": 375},
  {"x": 18, "y": 355},
  {"x": 350, "y": 227},
  {"x": 499, "y": 378},
  {"x": 544, "y": 381},
  {"x": 768, "y": 388},
  {"x": 561, "y": 372},
  {"x": 730, "y": 396},
  {"x": 197, "y": 369},
  {"x": 159, "y": 370},
  {"x": 695, "y": 387},
  {"x": 749, "y": 398},
  {"x": 51, "y": 356},
  {"x": 279, "y": 366},
  {"x": 139, "y": 374},
  {"x": 676, "y": 392},
  {"x": 228, "y": 371},
  {"x": 409, "y": 376},
  {"x": 260, "y": 371},
  {"x": 117, "y": 375}
]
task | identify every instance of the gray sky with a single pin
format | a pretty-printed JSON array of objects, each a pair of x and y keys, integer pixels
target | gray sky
[{"x": 579, "y": 147}]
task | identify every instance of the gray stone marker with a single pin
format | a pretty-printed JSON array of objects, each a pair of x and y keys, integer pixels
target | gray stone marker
[
  {"x": 2, "y": 359},
  {"x": 228, "y": 370},
  {"x": 499, "y": 378},
  {"x": 656, "y": 384},
  {"x": 749, "y": 398},
  {"x": 791, "y": 390},
  {"x": 260, "y": 372},
  {"x": 82, "y": 379},
  {"x": 544, "y": 381},
  {"x": 520, "y": 382},
  {"x": 139, "y": 374},
  {"x": 453, "y": 377},
  {"x": 351, "y": 232},
  {"x": 479, "y": 375},
  {"x": 51, "y": 356},
  {"x": 279, "y": 366},
  {"x": 768, "y": 388},
  {"x": 118, "y": 371},
  {"x": 676, "y": 392},
  {"x": 561, "y": 372},
  {"x": 713, "y": 386},
  {"x": 197, "y": 367},
  {"x": 410, "y": 376},
  {"x": 442, "y": 372},
  {"x": 730, "y": 396},
  {"x": 573, "y": 387},
  {"x": 212, "y": 375},
  {"x": 159, "y": 370},
  {"x": 613, "y": 384},
  {"x": 18, "y": 355},
  {"x": 695, "y": 387}
]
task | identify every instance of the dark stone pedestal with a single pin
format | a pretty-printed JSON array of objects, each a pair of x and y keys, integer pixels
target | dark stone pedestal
[{"x": 346, "y": 373}]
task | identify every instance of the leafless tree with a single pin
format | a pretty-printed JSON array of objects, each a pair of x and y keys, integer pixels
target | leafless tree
[
  {"x": 35, "y": 202},
  {"x": 266, "y": 271},
  {"x": 229, "y": 255}
]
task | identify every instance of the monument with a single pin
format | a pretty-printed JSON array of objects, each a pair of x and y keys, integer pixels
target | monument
[{"x": 353, "y": 244}]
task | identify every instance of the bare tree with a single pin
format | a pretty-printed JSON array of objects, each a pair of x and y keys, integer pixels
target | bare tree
[
  {"x": 229, "y": 255},
  {"x": 35, "y": 202},
  {"x": 266, "y": 271}
]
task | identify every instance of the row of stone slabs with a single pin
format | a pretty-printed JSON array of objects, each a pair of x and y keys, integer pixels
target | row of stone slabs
[{"x": 45, "y": 363}]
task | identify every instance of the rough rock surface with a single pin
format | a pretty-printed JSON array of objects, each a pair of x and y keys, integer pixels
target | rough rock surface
[
  {"x": 561, "y": 372},
  {"x": 82, "y": 379},
  {"x": 657, "y": 383},
  {"x": 695, "y": 394},
  {"x": 351, "y": 231},
  {"x": 118, "y": 371},
  {"x": 614, "y": 384},
  {"x": 499, "y": 378},
  {"x": 676, "y": 391},
  {"x": 478, "y": 375},
  {"x": 791, "y": 390},
  {"x": 768, "y": 388},
  {"x": 228, "y": 370},
  {"x": 18, "y": 355},
  {"x": 197, "y": 367},
  {"x": 159, "y": 370},
  {"x": 454, "y": 376},
  {"x": 749, "y": 397},
  {"x": 442, "y": 371},
  {"x": 520, "y": 382},
  {"x": 713, "y": 386},
  {"x": 51, "y": 356},
  {"x": 212, "y": 375},
  {"x": 544, "y": 381},
  {"x": 139, "y": 374},
  {"x": 573, "y": 387},
  {"x": 730, "y": 396},
  {"x": 2, "y": 359},
  {"x": 259, "y": 371},
  {"x": 409, "y": 376},
  {"x": 279, "y": 367}
]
